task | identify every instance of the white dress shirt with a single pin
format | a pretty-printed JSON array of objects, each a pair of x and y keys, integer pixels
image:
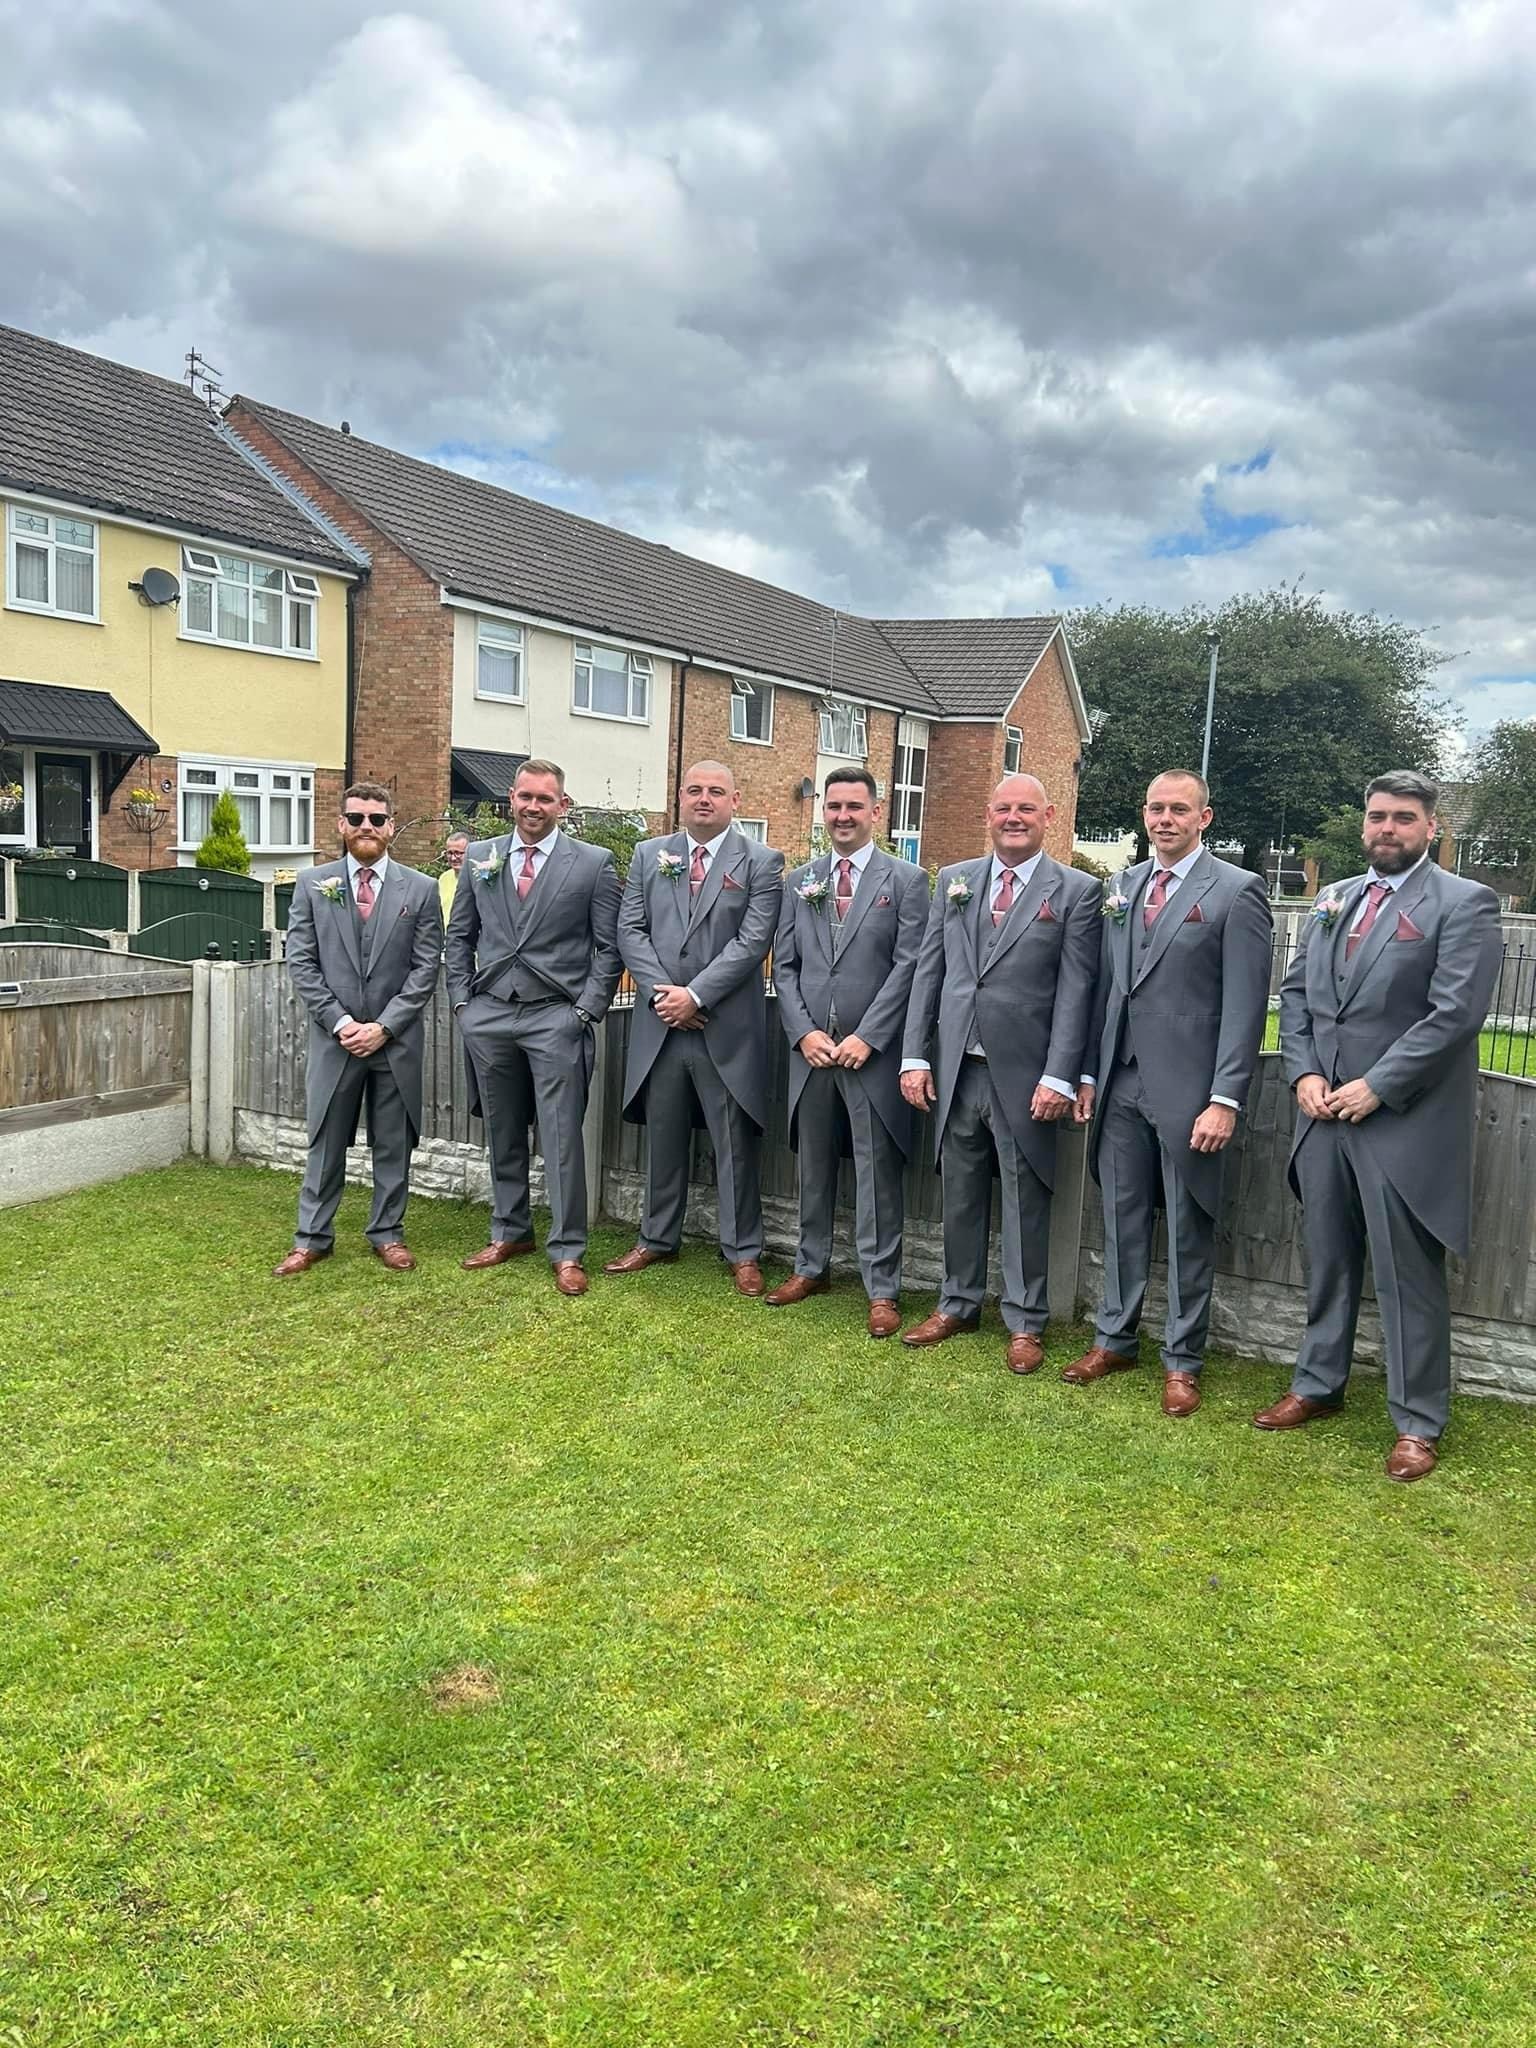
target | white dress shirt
[
  {"x": 380, "y": 869},
  {"x": 1023, "y": 875},
  {"x": 1392, "y": 882},
  {"x": 539, "y": 848}
]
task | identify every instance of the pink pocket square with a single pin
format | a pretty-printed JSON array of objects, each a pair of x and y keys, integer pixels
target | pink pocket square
[
  {"x": 1045, "y": 914},
  {"x": 882, "y": 903},
  {"x": 727, "y": 883},
  {"x": 1196, "y": 916},
  {"x": 1406, "y": 928}
]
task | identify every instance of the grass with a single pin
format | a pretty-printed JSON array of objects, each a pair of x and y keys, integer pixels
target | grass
[
  {"x": 1498, "y": 1052},
  {"x": 427, "y": 1660}
]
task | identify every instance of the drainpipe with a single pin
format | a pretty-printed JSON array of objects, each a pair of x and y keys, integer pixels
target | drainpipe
[
  {"x": 677, "y": 766},
  {"x": 353, "y": 590}
]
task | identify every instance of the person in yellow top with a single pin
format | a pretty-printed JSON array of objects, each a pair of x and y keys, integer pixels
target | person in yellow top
[{"x": 448, "y": 880}]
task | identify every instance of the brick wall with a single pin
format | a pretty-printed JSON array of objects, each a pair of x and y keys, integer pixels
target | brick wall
[
  {"x": 117, "y": 840},
  {"x": 403, "y": 650},
  {"x": 1052, "y": 750},
  {"x": 768, "y": 777},
  {"x": 965, "y": 762}
]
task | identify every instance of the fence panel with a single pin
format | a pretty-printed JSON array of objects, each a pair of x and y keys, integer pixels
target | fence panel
[
  {"x": 201, "y": 936},
  {"x": 180, "y": 892},
  {"x": 45, "y": 933},
  {"x": 77, "y": 892}
]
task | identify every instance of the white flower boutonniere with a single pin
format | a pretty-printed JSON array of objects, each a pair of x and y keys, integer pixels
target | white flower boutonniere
[
  {"x": 670, "y": 865},
  {"x": 959, "y": 892},
  {"x": 816, "y": 893},
  {"x": 1328, "y": 909},
  {"x": 1115, "y": 905},
  {"x": 488, "y": 870},
  {"x": 330, "y": 889}
]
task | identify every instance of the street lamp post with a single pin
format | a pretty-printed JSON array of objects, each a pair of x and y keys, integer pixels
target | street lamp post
[{"x": 1213, "y": 641}]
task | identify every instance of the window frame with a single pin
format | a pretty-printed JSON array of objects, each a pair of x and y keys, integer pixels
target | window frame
[
  {"x": 224, "y": 768},
  {"x": 826, "y": 728},
  {"x": 27, "y": 777},
  {"x": 755, "y": 829},
  {"x": 742, "y": 691},
  {"x": 908, "y": 839},
  {"x": 295, "y": 588},
  {"x": 505, "y": 636},
  {"x": 1013, "y": 742},
  {"x": 639, "y": 669},
  {"x": 49, "y": 544}
]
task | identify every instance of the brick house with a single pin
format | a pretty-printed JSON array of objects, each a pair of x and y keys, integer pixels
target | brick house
[
  {"x": 492, "y": 627},
  {"x": 174, "y": 620}
]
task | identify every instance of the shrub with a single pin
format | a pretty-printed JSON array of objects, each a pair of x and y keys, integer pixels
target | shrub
[{"x": 225, "y": 845}]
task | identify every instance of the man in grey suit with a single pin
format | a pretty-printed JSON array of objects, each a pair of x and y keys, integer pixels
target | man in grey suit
[
  {"x": 365, "y": 936},
  {"x": 695, "y": 927},
  {"x": 1183, "y": 994},
  {"x": 1379, "y": 1019},
  {"x": 1001, "y": 1002},
  {"x": 849, "y": 931},
  {"x": 532, "y": 965}
]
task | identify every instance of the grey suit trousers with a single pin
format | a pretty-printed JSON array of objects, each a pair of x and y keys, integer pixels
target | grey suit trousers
[
  {"x": 1349, "y": 1205},
  {"x": 389, "y": 1140},
  {"x": 833, "y": 1100},
  {"x": 681, "y": 1074},
  {"x": 976, "y": 1128},
  {"x": 1133, "y": 1163},
  {"x": 533, "y": 1064}
]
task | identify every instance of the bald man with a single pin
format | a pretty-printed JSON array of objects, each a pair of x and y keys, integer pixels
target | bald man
[
  {"x": 698, "y": 917},
  {"x": 997, "y": 1026}
]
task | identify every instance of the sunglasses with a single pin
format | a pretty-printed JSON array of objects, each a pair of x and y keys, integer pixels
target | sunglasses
[{"x": 356, "y": 818}]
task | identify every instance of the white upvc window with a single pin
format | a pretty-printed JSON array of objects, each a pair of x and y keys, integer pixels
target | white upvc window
[
  {"x": 844, "y": 729},
  {"x": 910, "y": 784},
  {"x": 752, "y": 712},
  {"x": 237, "y": 601},
  {"x": 610, "y": 683},
  {"x": 499, "y": 661},
  {"x": 51, "y": 563},
  {"x": 276, "y": 805},
  {"x": 1013, "y": 750},
  {"x": 753, "y": 828}
]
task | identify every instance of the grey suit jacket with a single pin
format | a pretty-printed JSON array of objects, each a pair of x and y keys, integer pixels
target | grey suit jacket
[
  {"x": 1404, "y": 1016},
  {"x": 383, "y": 972},
  {"x": 1024, "y": 992},
  {"x": 868, "y": 979},
  {"x": 1195, "y": 997},
  {"x": 716, "y": 946}
]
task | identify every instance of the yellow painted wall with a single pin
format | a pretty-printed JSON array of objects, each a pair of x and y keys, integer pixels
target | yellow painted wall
[{"x": 194, "y": 698}]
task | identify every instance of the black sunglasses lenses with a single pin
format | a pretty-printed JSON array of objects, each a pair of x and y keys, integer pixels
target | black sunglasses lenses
[{"x": 356, "y": 818}]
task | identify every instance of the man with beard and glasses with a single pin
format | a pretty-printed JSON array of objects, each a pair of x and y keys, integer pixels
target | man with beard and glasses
[
  {"x": 365, "y": 936},
  {"x": 1379, "y": 1020}
]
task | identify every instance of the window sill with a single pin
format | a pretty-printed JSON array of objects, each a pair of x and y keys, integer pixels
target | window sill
[
  {"x": 244, "y": 647},
  {"x": 46, "y": 611},
  {"x": 491, "y": 697},
  {"x": 609, "y": 717},
  {"x": 743, "y": 740}
]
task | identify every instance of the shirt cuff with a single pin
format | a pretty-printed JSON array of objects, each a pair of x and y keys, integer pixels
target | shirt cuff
[
  {"x": 1088, "y": 1080},
  {"x": 1227, "y": 1102},
  {"x": 341, "y": 1026},
  {"x": 916, "y": 1067},
  {"x": 1058, "y": 1087},
  {"x": 693, "y": 996}
]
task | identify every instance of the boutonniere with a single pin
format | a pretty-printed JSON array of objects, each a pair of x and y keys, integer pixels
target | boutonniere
[
  {"x": 488, "y": 870},
  {"x": 330, "y": 889},
  {"x": 1115, "y": 905},
  {"x": 1327, "y": 910},
  {"x": 670, "y": 864},
  {"x": 959, "y": 892},
  {"x": 817, "y": 894}
]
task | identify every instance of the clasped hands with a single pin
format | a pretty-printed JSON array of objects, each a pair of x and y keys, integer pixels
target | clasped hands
[
  {"x": 1350, "y": 1103},
  {"x": 820, "y": 1049},
  {"x": 361, "y": 1039},
  {"x": 676, "y": 1008}
]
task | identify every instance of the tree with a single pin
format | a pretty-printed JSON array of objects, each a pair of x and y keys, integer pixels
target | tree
[
  {"x": 1310, "y": 703},
  {"x": 225, "y": 845},
  {"x": 1336, "y": 848},
  {"x": 1503, "y": 809}
]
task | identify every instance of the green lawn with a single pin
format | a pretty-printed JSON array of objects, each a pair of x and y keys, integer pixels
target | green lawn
[
  {"x": 1500, "y": 1052},
  {"x": 840, "y": 1694}
]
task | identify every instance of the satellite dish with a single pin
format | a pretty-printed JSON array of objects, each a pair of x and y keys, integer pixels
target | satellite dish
[{"x": 157, "y": 587}]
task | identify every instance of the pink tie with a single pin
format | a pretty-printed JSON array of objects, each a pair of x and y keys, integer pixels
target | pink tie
[
  {"x": 696, "y": 873},
  {"x": 365, "y": 893},
  {"x": 525, "y": 879},
  {"x": 1004, "y": 900},
  {"x": 844, "y": 894},
  {"x": 1157, "y": 896},
  {"x": 1375, "y": 896}
]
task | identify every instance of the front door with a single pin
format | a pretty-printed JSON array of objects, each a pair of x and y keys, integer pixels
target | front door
[{"x": 64, "y": 803}]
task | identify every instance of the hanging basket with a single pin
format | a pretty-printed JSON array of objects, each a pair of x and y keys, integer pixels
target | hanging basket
[{"x": 146, "y": 817}]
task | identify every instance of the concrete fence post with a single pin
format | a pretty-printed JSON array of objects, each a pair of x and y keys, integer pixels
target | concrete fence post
[
  {"x": 198, "y": 1069},
  {"x": 1072, "y": 1186},
  {"x": 133, "y": 901},
  {"x": 221, "y": 1059},
  {"x": 12, "y": 890}
]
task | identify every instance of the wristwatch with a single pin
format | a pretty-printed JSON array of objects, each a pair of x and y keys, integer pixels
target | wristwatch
[{"x": 586, "y": 1016}]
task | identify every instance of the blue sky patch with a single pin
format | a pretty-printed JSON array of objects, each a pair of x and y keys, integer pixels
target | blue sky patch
[{"x": 1221, "y": 532}]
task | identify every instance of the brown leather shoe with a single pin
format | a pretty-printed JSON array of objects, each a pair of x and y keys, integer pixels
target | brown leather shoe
[
  {"x": 884, "y": 1319},
  {"x": 1025, "y": 1352},
  {"x": 936, "y": 1328},
  {"x": 798, "y": 1287},
  {"x": 498, "y": 1254},
  {"x": 1096, "y": 1364},
  {"x": 637, "y": 1260},
  {"x": 1181, "y": 1393},
  {"x": 748, "y": 1276},
  {"x": 1412, "y": 1457},
  {"x": 570, "y": 1277},
  {"x": 398, "y": 1257},
  {"x": 298, "y": 1261},
  {"x": 1292, "y": 1410}
]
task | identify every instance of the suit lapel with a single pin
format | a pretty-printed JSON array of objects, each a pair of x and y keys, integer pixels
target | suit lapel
[
  {"x": 865, "y": 889},
  {"x": 1026, "y": 908},
  {"x": 552, "y": 878},
  {"x": 1200, "y": 880},
  {"x": 506, "y": 881},
  {"x": 351, "y": 923},
  {"x": 821, "y": 868},
  {"x": 979, "y": 876},
  {"x": 1381, "y": 932},
  {"x": 730, "y": 851}
]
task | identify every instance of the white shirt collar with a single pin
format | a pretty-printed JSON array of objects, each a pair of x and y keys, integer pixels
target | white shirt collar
[
  {"x": 1023, "y": 874},
  {"x": 380, "y": 867},
  {"x": 710, "y": 846},
  {"x": 1395, "y": 882},
  {"x": 860, "y": 860},
  {"x": 539, "y": 848},
  {"x": 1179, "y": 867}
]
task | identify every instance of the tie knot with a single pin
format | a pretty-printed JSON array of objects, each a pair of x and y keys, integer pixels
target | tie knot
[{"x": 845, "y": 867}]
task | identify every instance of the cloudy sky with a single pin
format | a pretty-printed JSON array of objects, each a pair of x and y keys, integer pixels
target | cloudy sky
[{"x": 925, "y": 306}]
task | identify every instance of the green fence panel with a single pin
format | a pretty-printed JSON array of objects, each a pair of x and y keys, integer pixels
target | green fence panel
[
  {"x": 187, "y": 892},
  {"x": 50, "y": 935},
  {"x": 69, "y": 891},
  {"x": 282, "y": 903},
  {"x": 201, "y": 935}
]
